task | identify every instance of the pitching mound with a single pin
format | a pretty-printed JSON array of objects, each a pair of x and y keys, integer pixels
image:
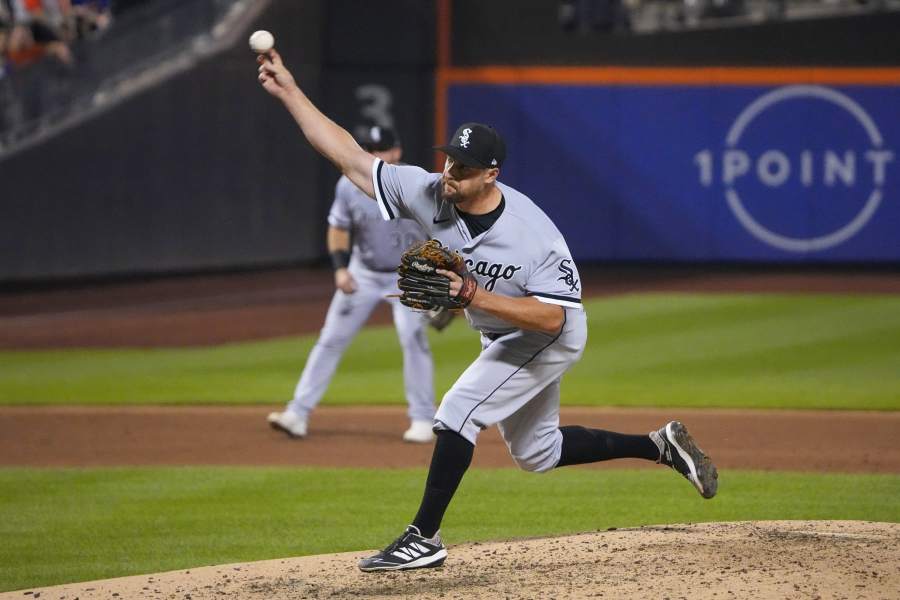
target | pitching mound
[{"x": 772, "y": 559}]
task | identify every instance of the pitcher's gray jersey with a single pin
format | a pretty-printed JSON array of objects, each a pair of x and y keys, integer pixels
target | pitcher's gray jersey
[
  {"x": 377, "y": 244},
  {"x": 514, "y": 382},
  {"x": 522, "y": 254}
]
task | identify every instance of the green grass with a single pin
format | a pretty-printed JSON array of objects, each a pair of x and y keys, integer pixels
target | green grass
[
  {"x": 811, "y": 351},
  {"x": 61, "y": 526}
]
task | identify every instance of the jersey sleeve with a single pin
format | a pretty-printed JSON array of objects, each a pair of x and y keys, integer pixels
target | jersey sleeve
[
  {"x": 340, "y": 216},
  {"x": 556, "y": 279},
  {"x": 403, "y": 191}
]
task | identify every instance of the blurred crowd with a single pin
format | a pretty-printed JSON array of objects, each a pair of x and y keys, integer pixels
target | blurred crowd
[
  {"x": 57, "y": 55},
  {"x": 648, "y": 16},
  {"x": 34, "y": 30}
]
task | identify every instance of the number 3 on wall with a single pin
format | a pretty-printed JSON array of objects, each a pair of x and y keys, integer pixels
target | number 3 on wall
[{"x": 376, "y": 102}]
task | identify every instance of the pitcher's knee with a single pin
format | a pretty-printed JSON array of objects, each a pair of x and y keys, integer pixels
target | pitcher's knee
[
  {"x": 532, "y": 464},
  {"x": 536, "y": 461},
  {"x": 537, "y": 455}
]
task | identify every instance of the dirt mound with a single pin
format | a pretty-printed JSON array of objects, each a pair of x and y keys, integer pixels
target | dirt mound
[{"x": 772, "y": 559}]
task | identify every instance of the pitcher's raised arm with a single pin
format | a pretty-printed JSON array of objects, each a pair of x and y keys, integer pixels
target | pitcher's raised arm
[{"x": 328, "y": 138}]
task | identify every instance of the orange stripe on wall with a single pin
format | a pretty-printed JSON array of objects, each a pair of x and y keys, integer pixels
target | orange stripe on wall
[
  {"x": 699, "y": 76},
  {"x": 446, "y": 75},
  {"x": 648, "y": 76}
]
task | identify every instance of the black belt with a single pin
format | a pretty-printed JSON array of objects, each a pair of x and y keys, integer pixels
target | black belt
[{"x": 495, "y": 336}]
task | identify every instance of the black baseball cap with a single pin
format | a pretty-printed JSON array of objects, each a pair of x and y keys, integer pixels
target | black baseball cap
[
  {"x": 476, "y": 145},
  {"x": 377, "y": 138}
]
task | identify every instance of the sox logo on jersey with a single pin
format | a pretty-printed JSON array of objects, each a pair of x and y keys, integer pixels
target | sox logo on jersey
[{"x": 568, "y": 275}]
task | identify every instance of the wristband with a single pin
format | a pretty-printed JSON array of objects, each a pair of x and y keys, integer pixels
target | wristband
[{"x": 340, "y": 259}]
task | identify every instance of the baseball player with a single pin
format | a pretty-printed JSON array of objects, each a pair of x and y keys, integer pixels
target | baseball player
[
  {"x": 523, "y": 294},
  {"x": 363, "y": 279}
]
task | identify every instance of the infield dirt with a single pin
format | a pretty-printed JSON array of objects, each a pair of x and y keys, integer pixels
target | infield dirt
[
  {"x": 70, "y": 436},
  {"x": 780, "y": 559}
]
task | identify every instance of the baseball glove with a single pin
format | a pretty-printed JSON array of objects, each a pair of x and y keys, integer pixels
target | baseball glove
[{"x": 423, "y": 288}]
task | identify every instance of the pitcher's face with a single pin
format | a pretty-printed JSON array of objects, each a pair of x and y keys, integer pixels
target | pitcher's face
[{"x": 460, "y": 182}]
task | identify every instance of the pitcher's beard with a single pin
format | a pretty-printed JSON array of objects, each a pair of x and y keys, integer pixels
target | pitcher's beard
[{"x": 450, "y": 194}]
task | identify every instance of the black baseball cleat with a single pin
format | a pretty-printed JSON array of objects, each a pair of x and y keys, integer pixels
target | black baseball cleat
[
  {"x": 678, "y": 450},
  {"x": 409, "y": 551}
]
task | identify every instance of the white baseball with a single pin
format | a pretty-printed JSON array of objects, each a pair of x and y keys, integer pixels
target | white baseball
[{"x": 261, "y": 41}]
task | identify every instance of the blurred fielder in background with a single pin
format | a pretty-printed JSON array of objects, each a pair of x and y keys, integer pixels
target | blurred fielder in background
[{"x": 364, "y": 278}]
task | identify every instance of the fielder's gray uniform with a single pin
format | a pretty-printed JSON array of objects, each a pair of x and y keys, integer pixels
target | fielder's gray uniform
[
  {"x": 377, "y": 246},
  {"x": 515, "y": 380}
]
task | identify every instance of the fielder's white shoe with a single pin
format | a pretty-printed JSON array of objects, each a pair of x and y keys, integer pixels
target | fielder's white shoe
[
  {"x": 289, "y": 422},
  {"x": 419, "y": 432}
]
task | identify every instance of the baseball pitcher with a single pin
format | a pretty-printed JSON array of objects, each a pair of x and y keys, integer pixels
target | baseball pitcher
[{"x": 503, "y": 260}]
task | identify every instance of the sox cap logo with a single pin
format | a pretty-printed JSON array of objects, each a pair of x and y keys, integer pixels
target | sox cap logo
[
  {"x": 464, "y": 138},
  {"x": 476, "y": 145}
]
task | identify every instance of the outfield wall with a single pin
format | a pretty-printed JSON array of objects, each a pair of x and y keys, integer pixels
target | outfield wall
[{"x": 700, "y": 164}]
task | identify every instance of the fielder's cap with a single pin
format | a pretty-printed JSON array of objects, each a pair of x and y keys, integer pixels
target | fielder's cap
[
  {"x": 378, "y": 139},
  {"x": 476, "y": 145}
]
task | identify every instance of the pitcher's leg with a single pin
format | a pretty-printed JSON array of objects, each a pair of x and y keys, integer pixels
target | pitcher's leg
[
  {"x": 670, "y": 445},
  {"x": 420, "y": 545},
  {"x": 451, "y": 458},
  {"x": 532, "y": 433},
  {"x": 536, "y": 443},
  {"x": 583, "y": 445},
  {"x": 507, "y": 374}
]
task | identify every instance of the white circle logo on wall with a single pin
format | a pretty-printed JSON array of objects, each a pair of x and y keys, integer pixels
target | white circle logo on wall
[{"x": 773, "y": 169}]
